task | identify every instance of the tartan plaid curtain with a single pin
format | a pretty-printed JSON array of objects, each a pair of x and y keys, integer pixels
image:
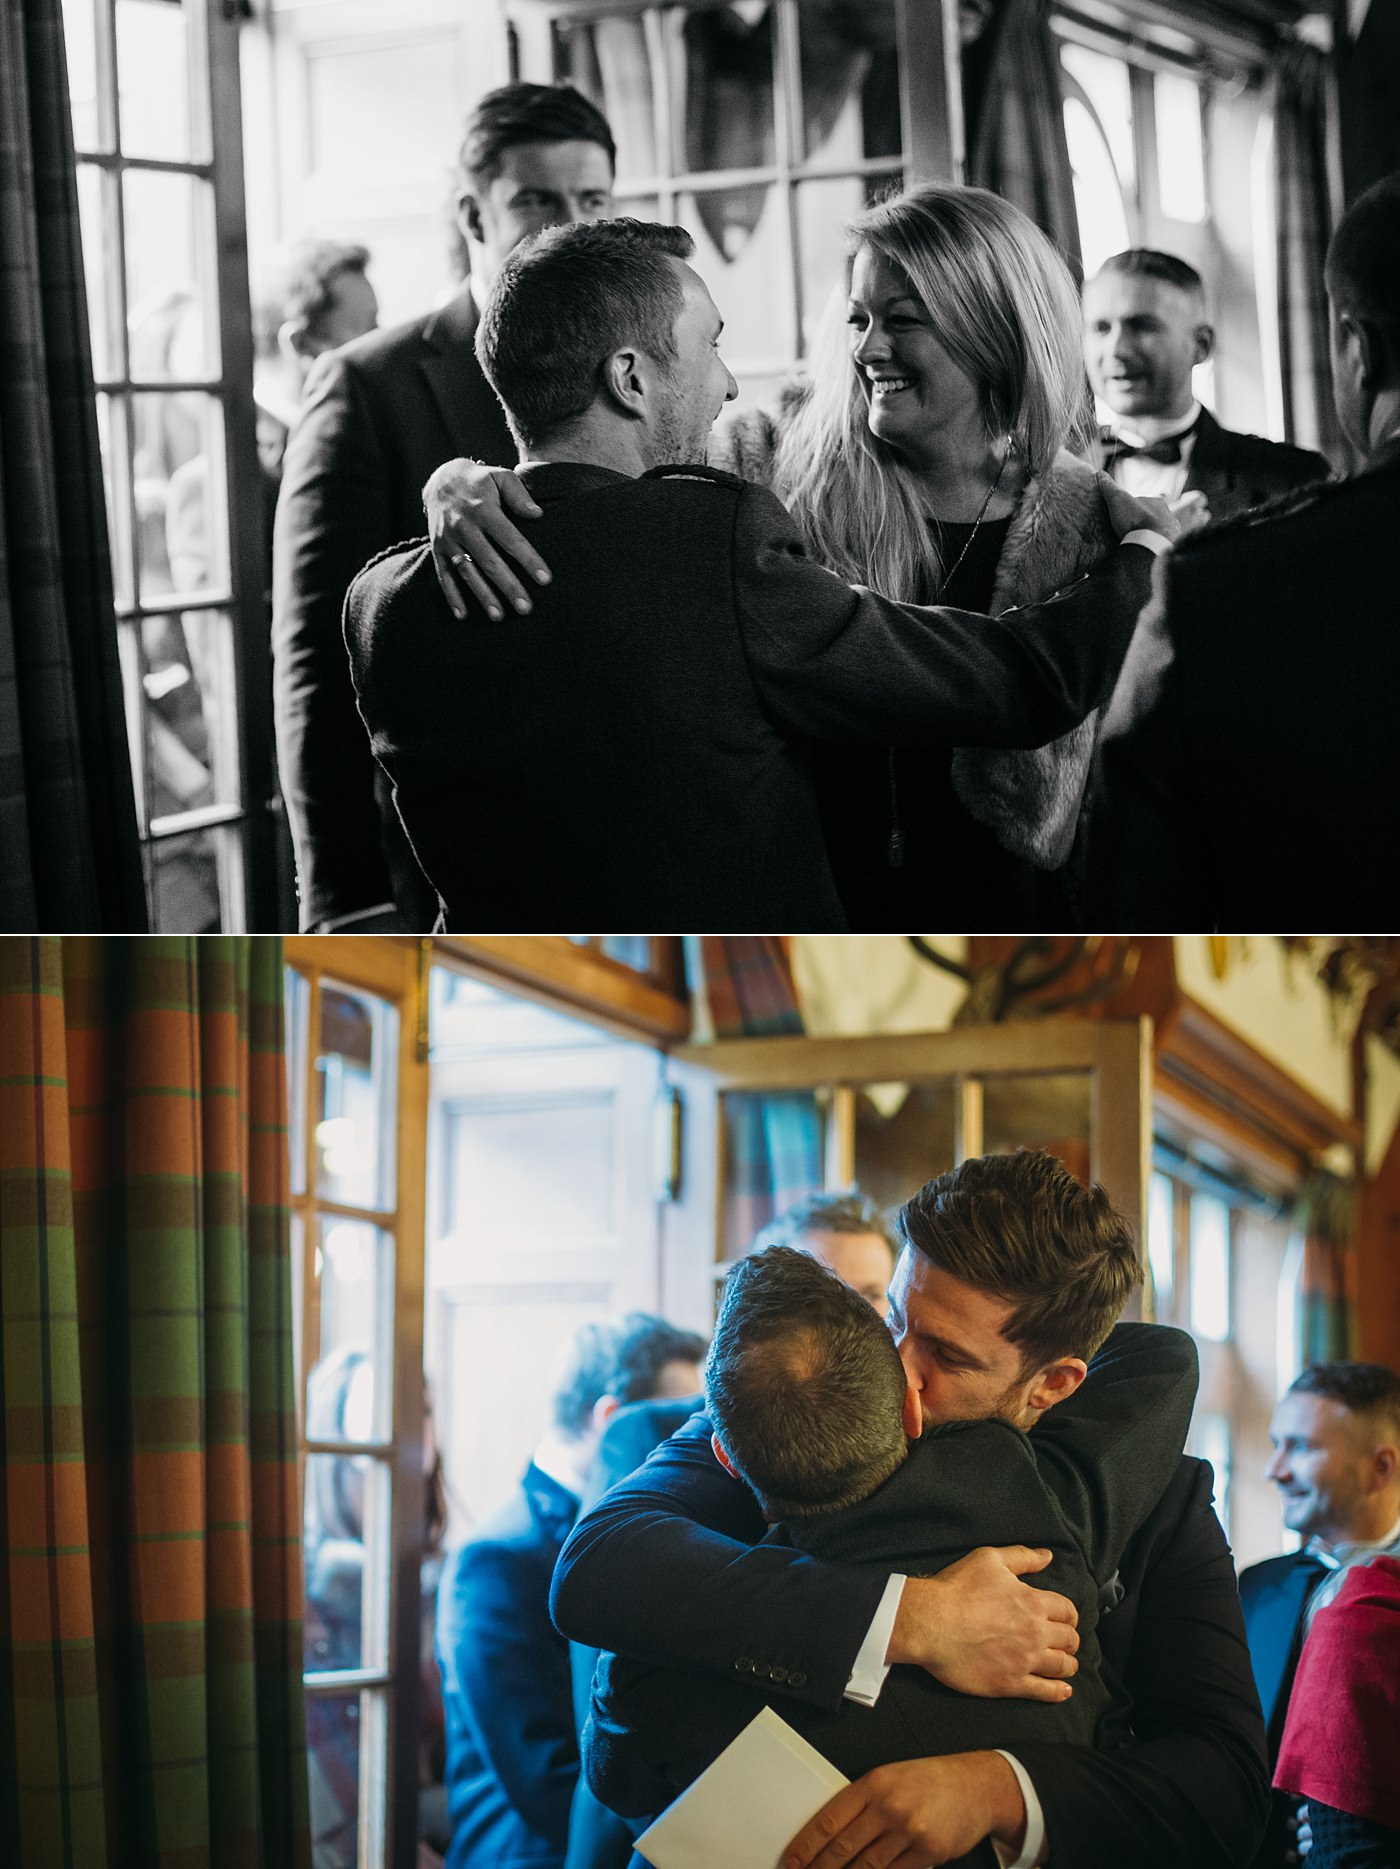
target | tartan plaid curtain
[
  {"x": 69, "y": 856},
  {"x": 151, "y": 1711},
  {"x": 1303, "y": 230},
  {"x": 1016, "y": 143}
]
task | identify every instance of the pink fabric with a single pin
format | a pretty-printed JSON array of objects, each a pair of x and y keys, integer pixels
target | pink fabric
[{"x": 1341, "y": 1741}]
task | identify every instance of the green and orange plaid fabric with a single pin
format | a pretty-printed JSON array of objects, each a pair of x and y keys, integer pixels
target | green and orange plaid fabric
[{"x": 151, "y": 1709}]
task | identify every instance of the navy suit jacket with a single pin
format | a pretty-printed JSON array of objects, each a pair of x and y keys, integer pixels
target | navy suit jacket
[
  {"x": 1274, "y": 1595},
  {"x": 512, "y": 1747},
  {"x": 1191, "y": 1788},
  {"x": 379, "y": 416}
]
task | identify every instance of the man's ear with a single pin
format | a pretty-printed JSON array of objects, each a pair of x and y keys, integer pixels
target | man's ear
[
  {"x": 624, "y": 378},
  {"x": 604, "y": 1409},
  {"x": 1056, "y": 1382},
  {"x": 1357, "y": 354},
  {"x": 724, "y": 1459},
  {"x": 1205, "y": 341},
  {"x": 469, "y": 216},
  {"x": 913, "y": 1411}
]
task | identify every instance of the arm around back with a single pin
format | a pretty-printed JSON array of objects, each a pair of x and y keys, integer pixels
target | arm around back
[
  {"x": 667, "y": 1568},
  {"x": 833, "y": 661}
]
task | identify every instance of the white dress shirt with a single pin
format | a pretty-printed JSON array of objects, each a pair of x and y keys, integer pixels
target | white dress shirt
[{"x": 1160, "y": 480}]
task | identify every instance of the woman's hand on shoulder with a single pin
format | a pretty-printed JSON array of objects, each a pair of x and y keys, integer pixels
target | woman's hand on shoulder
[
  {"x": 474, "y": 541},
  {"x": 1127, "y": 513}
]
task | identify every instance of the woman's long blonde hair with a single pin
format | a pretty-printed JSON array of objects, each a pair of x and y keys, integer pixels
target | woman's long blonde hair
[{"x": 1004, "y": 307}]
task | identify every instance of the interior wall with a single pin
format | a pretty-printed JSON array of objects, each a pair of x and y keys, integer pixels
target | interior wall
[{"x": 851, "y": 984}]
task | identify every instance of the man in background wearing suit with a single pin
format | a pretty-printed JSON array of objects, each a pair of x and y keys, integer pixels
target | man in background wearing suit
[
  {"x": 996, "y": 1253},
  {"x": 378, "y": 417},
  {"x": 1336, "y": 1439},
  {"x": 1145, "y": 330},
  {"x": 512, "y": 1745},
  {"x": 1250, "y": 748}
]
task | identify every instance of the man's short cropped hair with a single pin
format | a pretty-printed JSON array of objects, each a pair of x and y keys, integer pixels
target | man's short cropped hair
[
  {"x": 846, "y": 1210},
  {"x": 527, "y": 113},
  {"x": 645, "y": 1345},
  {"x": 563, "y": 302},
  {"x": 294, "y": 287},
  {"x": 1363, "y": 261},
  {"x": 1368, "y": 1389},
  {"x": 804, "y": 1385},
  {"x": 1149, "y": 263},
  {"x": 1022, "y": 1228},
  {"x": 585, "y": 1376}
]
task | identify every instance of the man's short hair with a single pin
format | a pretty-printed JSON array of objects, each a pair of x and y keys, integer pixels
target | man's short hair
[
  {"x": 1370, "y": 1389},
  {"x": 846, "y": 1210},
  {"x": 1022, "y": 1228},
  {"x": 1149, "y": 263},
  {"x": 585, "y": 1376},
  {"x": 527, "y": 113},
  {"x": 563, "y": 302},
  {"x": 804, "y": 1385},
  {"x": 294, "y": 287},
  {"x": 1363, "y": 261},
  {"x": 645, "y": 1345}
]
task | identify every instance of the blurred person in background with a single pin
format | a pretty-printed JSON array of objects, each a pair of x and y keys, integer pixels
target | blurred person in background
[
  {"x": 1145, "y": 330},
  {"x": 379, "y": 417},
  {"x": 512, "y": 1741}
]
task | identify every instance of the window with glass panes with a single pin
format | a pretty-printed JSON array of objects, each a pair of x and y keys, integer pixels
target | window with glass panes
[
  {"x": 760, "y": 129},
  {"x": 154, "y": 92}
]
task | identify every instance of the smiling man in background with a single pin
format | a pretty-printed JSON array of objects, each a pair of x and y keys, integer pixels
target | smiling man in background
[
  {"x": 1145, "y": 330},
  {"x": 1336, "y": 1438}
]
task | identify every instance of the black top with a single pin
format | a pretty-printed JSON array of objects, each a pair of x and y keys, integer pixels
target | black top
[{"x": 904, "y": 850}]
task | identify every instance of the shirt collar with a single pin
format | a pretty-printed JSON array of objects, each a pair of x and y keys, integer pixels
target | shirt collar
[
  {"x": 1341, "y": 1556},
  {"x": 1127, "y": 432}
]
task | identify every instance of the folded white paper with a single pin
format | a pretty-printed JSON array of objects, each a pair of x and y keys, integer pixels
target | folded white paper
[{"x": 744, "y": 1810}]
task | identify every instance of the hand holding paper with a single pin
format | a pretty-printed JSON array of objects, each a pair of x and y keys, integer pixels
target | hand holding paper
[{"x": 745, "y": 1809}]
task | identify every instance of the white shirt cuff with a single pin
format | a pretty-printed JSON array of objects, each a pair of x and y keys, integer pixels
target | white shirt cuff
[
  {"x": 1033, "y": 1849},
  {"x": 1153, "y": 541},
  {"x": 868, "y": 1675}
]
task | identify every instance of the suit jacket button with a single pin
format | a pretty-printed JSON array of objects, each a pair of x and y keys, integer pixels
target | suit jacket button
[
  {"x": 744, "y": 1665},
  {"x": 777, "y": 1674},
  {"x": 797, "y": 1680}
]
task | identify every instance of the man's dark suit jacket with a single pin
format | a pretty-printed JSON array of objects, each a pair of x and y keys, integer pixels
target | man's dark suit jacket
[
  {"x": 1237, "y": 472},
  {"x": 598, "y": 1837},
  {"x": 379, "y": 417},
  {"x": 512, "y": 1751},
  {"x": 634, "y": 752},
  {"x": 1274, "y": 1595},
  {"x": 1079, "y": 1487},
  {"x": 1250, "y": 749},
  {"x": 1191, "y": 1788}
]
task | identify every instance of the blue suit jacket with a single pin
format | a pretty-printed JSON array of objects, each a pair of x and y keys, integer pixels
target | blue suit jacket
[
  {"x": 1274, "y": 1595},
  {"x": 512, "y": 1749}
]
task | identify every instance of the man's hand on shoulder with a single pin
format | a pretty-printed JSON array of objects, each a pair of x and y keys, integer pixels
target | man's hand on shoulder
[
  {"x": 914, "y": 1813},
  {"x": 977, "y": 1628}
]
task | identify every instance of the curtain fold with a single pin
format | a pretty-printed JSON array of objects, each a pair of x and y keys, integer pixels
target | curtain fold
[
  {"x": 1304, "y": 226},
  {"x": 1326, "y": 1293},
  {"x": 69, "y": 852},
  {"x": 151, "y": 1708},
  {"x": 1016, "y": 143}
]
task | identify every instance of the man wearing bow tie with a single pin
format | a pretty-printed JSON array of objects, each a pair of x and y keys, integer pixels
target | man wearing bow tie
[
  {"x": 1145, "y": 330},
  {"x": 1336, "y": 1463}
]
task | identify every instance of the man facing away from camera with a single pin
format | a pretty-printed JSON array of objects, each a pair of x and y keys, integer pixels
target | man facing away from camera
[
  {"x": 1000, "y": 1257},
  {"x": 637, "y": 750}
]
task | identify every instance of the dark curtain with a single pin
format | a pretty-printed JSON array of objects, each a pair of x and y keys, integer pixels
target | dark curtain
[
  {"x": 1304, "y": 228},
  {"x": 1326, "y": 1296},
  {"x": 69, "y": 855},
  {"x": 151, "y": 1705},
  {"x": 1015, "y": 122}
]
